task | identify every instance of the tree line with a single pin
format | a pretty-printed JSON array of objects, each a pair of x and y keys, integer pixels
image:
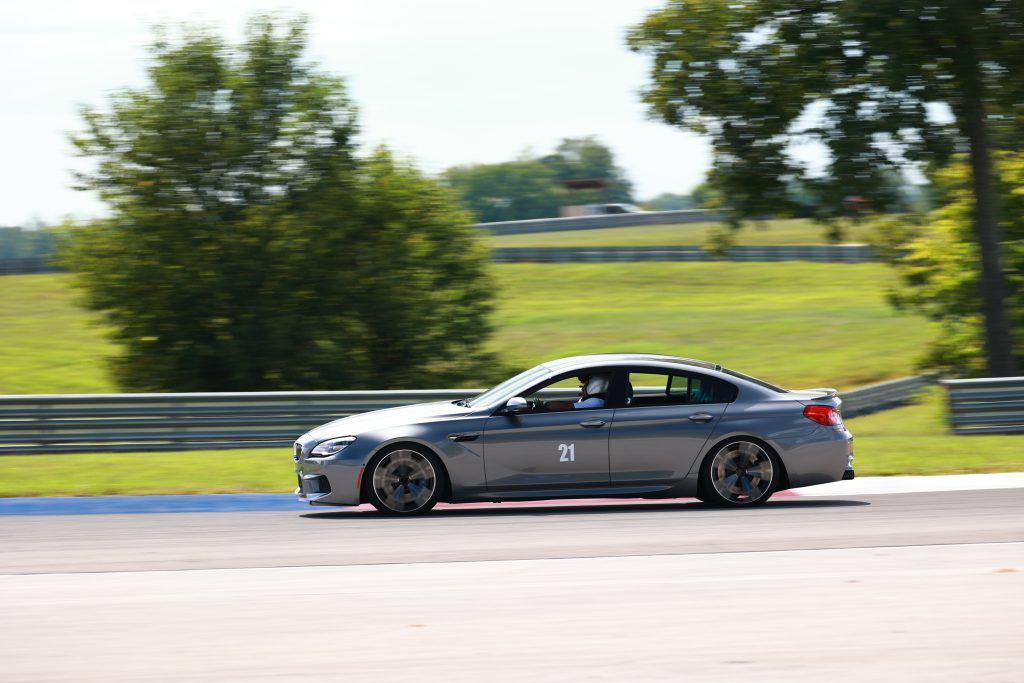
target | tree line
[
  {"x": 251, "y": 245},
  {"x": 881, "y": 86},
  {"x": 533, "y": 187}
]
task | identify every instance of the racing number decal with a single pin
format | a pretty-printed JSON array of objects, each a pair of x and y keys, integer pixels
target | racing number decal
[{"x": 568, "y": 451}]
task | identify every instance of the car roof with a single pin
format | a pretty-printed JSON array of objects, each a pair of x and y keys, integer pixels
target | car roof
[{"x": 625, "y": 359}]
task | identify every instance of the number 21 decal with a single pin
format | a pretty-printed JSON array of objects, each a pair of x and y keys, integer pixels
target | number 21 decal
[{"x": 568, "y": 451}]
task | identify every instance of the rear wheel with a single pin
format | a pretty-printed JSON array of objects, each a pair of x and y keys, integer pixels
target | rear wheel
[
  {"x": 405, "y": 481},
  {"x": 739, "y": 473}
]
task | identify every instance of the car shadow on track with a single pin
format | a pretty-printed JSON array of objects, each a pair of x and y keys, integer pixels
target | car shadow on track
[{"x": 518, "y": 509}]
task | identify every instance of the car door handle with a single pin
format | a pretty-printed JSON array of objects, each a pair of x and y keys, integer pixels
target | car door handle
[
  {"x": 595, "y": 422},
  {"x": 701, "y": 417}
]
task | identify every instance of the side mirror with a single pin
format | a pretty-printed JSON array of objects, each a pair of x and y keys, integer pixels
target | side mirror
[{"x": 517, "y": 404}]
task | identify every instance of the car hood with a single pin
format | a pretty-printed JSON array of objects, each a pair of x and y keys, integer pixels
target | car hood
[{"x": 389, "y": 417}]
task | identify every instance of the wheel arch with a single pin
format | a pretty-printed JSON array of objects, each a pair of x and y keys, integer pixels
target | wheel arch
[
  {"x": 396, "y": 444},
  {"x": 771, "y": 450}
]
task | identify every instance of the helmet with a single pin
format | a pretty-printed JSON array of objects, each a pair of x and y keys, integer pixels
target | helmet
[{"x": 596, "y": 384}]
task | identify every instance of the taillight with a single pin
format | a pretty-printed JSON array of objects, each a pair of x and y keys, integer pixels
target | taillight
[{"x": 824, "y": 415}]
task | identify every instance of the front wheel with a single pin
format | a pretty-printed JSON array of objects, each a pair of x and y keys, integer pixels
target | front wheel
[
  {"x": 405, "y": 481},
  {"x": 739, "y": 473}
]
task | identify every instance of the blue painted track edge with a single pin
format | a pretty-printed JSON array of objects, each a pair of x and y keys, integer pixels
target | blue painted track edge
[
  {"x": 131, "y": 505},
  {"x": 260, "y": 502}
]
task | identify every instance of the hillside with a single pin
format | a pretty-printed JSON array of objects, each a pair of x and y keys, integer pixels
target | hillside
[{"x": 797, "y": 324}]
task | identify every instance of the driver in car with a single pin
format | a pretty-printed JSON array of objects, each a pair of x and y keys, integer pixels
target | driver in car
[{"x": 592, "y": 394}]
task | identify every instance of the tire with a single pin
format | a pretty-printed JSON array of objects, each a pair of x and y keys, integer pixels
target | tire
[
  {"x": 740, "y": 472},
  {"x": 405, "y": 480}
]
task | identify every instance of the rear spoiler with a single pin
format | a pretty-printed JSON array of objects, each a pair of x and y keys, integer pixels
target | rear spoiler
[{"x": 824, "y": 393}]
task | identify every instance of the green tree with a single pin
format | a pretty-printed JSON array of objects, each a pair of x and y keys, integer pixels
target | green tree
[
  {"x": 249, "y": 248},
  {"x": 936, "y": 257},
  {"x": 514, "y": 190},
  {"x": 867, "y": 80},
  {"x": 706, "y": 196},
  {"x": 579, "y": 158}
]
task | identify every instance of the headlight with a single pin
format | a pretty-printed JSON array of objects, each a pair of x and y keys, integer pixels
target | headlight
[{"x": 325, "y": 449}]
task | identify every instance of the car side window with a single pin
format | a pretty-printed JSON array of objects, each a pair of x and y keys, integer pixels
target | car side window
[
  {"x": 566, "y": 388},
  {"x": 710, "y": 390},
  {"x": 653, "y": 389},
  {"x": 560, "y": 389},
  {"x": 679, "y": 387},
  {"x": 670, "y": 388}
]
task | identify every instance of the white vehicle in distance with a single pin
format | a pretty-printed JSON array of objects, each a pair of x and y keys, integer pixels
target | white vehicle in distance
[{"x": 599, "y": 210}]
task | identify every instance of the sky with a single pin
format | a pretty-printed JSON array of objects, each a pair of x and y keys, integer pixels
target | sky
[{"x": 443, "y": 83}]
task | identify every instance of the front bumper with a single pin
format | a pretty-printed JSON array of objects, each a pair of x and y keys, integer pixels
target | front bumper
[
  {"x": 326, "y": 481},
  {"x": 312, "y": 487}
]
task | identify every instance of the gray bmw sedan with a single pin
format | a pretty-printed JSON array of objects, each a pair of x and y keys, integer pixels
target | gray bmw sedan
[{"x": 608, "y": 425}]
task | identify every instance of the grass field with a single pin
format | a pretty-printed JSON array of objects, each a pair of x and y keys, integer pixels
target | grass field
[
  {"x": 916, "y": 439},
  {"x": 106, "y": 474},
  {"x": 47, "y": 343},
  {"x": 774, "y": 232},
  {"x": 796, "y": 324},
  {"x": 909, "y": 440}
]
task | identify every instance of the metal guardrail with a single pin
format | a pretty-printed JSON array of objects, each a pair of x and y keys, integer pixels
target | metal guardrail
[
  {"x": 619, "y": 220},
  {"x": 986, "y": 406},
  {"x": 885, "y": 395},
  {"x": 39, "y": 424},
  {"x": 824, "y": 253},
  {"x": 821, "y": 253},
  {"x": 150, "y": 422},
  {"x": 27, "y": 266}
]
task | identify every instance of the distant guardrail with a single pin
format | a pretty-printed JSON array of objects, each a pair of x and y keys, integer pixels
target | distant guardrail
[
  {"x": 986, "y": 406},
  {"x": 27, "y": 266},
  {"x": 820, "y": 253},
  {"x": 885, "y": 395},
  {"x": 824, "y": 253},
  {"x": 39, "y": 424},
  {"x": 618, "y": 220}
]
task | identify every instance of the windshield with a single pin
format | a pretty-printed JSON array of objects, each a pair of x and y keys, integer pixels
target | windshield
[{"x": 509, "y": 387}]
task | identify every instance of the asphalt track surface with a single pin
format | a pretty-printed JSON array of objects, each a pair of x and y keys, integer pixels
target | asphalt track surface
[{"x": 909, "y": 587}]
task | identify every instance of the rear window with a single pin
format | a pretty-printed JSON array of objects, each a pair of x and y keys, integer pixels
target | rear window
[{"x": 754, "y": 380}]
